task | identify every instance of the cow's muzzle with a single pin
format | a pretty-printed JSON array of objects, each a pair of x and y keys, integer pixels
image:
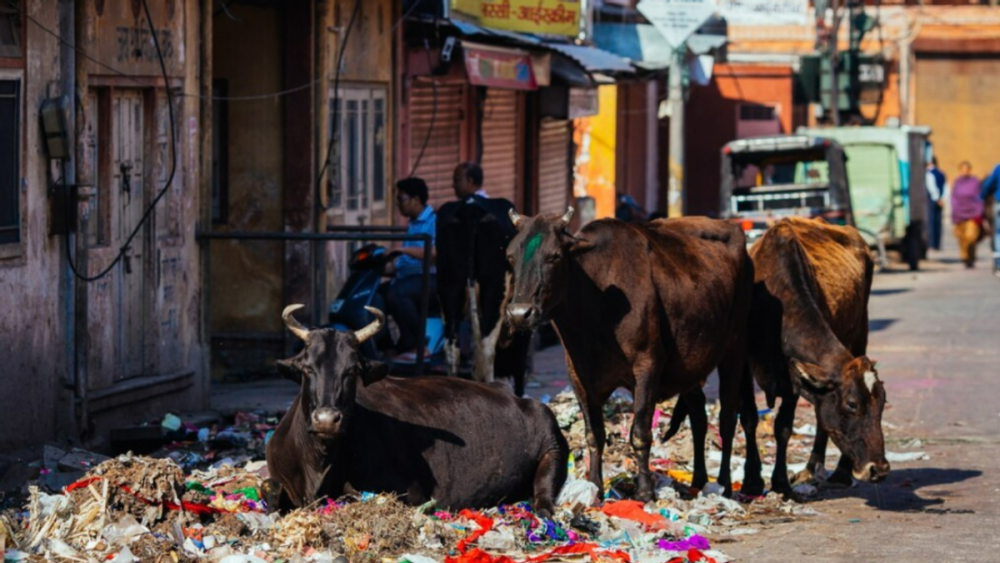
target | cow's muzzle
[
  {"x": 523, "y": 316},
  {"x": 326, "y": 421},
  {"x": 873, "y": 472}
]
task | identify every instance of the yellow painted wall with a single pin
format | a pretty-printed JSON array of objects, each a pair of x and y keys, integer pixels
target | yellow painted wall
[
  {"x": 246, "y": 276},
  {"x": 594, "y": 168}
]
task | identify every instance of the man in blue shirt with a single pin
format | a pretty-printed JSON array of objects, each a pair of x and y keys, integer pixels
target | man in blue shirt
[
  {"x": 989, "y": 194},
  {"x": 403, "y": 295}
]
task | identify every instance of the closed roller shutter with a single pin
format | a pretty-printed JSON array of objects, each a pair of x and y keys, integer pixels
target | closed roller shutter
[
  {"x": 553, "y": 166},
  {"x": 499, "y": 134},
  {"x": 956, "y": 98},
  {"x": 444, "y": 146}
]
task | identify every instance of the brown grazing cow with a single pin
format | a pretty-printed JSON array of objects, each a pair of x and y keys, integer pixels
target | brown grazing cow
[
  {"x": 422, "y": 438},
  {"x": 808, "y": 337},
  {"x": 651, "y": 308}
]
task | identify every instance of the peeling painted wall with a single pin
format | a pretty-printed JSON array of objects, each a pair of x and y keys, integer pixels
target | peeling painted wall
[
  {"x": 33, "y": 320},
  {"x": 152, "y": 335},
  {"x": 246, "y": 276}
]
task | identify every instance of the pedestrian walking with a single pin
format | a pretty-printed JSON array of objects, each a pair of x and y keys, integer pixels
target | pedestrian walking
[
  {"x": 966, "y": 213},
  {"x": 989, "y": 193},
  {"x": 936, "y": 184}
]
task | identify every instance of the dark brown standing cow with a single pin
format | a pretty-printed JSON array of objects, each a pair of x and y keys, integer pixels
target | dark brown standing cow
[
  {"x": 351, "y": 428},
  {"x": 472, "y": 238},
  {"x": 809, "y": 336},
  {"x": 651, "y": 308}
]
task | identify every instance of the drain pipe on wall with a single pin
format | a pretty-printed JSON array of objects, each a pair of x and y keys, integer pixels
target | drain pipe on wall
[
  {"x": 67, "y": 70},
  {"x": 84, "y": 191}
]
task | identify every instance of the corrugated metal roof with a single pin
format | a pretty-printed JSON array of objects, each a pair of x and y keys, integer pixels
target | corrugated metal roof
[
  {"x": 592, "y": 59},
  {"x": 640, "y": 43}
]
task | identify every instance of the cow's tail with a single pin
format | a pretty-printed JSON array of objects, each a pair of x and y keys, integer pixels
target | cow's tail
[
  {"x": 676, "y": 419},
  {"x": 479, "y": 367}
]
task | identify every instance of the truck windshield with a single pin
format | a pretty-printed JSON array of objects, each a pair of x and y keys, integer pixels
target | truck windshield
[{"x": 799, "y": 168}]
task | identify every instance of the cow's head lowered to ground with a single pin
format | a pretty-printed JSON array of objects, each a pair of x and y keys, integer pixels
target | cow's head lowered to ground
[
  {"x": 329, "y": 368},
  {"x": 849, "y": 407},
  {"x": 539, "y": 259}
]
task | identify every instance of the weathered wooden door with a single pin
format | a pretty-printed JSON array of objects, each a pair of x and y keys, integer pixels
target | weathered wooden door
[{"x": 127, "y": 172}]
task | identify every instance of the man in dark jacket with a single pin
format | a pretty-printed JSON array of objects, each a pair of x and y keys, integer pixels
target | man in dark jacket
[
  {"x": 935, "y": 184},
  {"x": 472, "y": 237}
]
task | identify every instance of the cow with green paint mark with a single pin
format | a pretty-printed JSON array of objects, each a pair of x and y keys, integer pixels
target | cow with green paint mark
[{"x": 653, "y": 308}]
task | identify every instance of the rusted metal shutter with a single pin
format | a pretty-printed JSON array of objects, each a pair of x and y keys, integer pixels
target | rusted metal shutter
[
  {"x": 499, "y": 134},
  {"x": 444, "y": 145},
  {"x": 553, "y": 165}
]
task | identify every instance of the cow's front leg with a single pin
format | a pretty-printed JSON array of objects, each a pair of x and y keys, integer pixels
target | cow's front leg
[
  {"x": 642, "y": 424},
  {"x": 782, "y": 432},
  {"x": 694, "y": 402},
  {"x": 452, "y": 355},
  {"x": 817, "y": 459},
  {"x": 593, "y": 420},
  {"x": 753, "y": 484}
]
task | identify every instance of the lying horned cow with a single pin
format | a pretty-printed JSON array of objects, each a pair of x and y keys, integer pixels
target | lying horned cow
[{"x": 352, "y": 428}]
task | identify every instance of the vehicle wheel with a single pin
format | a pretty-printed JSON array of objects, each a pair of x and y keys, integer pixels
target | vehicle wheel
[{"x": 913, "y": 252}]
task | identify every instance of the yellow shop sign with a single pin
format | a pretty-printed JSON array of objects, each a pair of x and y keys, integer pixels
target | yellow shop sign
[{"x": 554, "y": 17}]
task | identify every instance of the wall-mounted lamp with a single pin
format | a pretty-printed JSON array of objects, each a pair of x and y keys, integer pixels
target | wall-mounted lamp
[{"x": 54, "y": 130}]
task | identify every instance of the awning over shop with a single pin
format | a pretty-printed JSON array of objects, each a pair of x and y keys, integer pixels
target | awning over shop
[
  {"x": 592, "y": 59},
  {"x": 641, "y": 44},
  {"x": 567, "y": 72},
  {"x": 645, "y": 47},
  {"x": 494, "y": 35},
  {"x": 573, "y": 65}
]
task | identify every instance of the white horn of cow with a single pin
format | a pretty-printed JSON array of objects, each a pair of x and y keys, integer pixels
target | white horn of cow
[
  {"x": 372, "y": 329},
  {"x": 293, "y": 324},
  {"x": 568, "y": 216},
  {"x": 514, "y": 217}
]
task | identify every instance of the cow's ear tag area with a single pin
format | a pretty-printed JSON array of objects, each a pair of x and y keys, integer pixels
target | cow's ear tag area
[
  {"x": 374, "y": 372},
  {"x": 808, "y": 380},
  {"x": 288, "y": 370}
]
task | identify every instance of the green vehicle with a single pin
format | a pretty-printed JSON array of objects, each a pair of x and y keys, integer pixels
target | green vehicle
[{"x": 886, "y": 169}]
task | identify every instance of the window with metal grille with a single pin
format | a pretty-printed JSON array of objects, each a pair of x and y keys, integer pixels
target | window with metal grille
[
  {"x": 358, "y": 182},
  {"x": 757, "y": 112},
  {"x": 10, "y": 31},
  {"x": 10, "y": 161}
]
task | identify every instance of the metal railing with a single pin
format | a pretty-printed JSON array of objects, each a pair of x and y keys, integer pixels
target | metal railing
[{"x": 359, "y": 234}]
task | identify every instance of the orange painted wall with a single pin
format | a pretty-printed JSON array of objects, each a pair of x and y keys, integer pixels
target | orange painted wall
[{"x": 711, "y": 123}]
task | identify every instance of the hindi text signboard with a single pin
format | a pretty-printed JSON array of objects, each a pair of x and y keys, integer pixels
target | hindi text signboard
[{"x": 554, "y": 17}]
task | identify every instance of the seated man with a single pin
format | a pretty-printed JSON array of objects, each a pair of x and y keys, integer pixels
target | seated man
[{"x": 403, "y": 293}]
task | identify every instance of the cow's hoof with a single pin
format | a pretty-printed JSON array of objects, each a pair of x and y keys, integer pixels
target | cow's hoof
[
  {"x": 783, "y": 488},
  {"x": 839, "y": 480},
  {"x": 752, "y": 488},
  {"x": 806, "y": 476},
  {"x": 544, "y": 509},
  {"x": 644, "y": 488},
  {"x": 271, "y": 494}
]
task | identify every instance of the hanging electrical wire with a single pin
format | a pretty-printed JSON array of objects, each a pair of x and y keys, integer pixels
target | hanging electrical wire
[
  {"x": 335, "y": 116},
  {"x": 434, "y": 107},
  {"x": 170, "y": 179}
]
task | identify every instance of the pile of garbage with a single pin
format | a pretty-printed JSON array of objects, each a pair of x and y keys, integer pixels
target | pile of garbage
[{"x": 199, "y": 499}]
